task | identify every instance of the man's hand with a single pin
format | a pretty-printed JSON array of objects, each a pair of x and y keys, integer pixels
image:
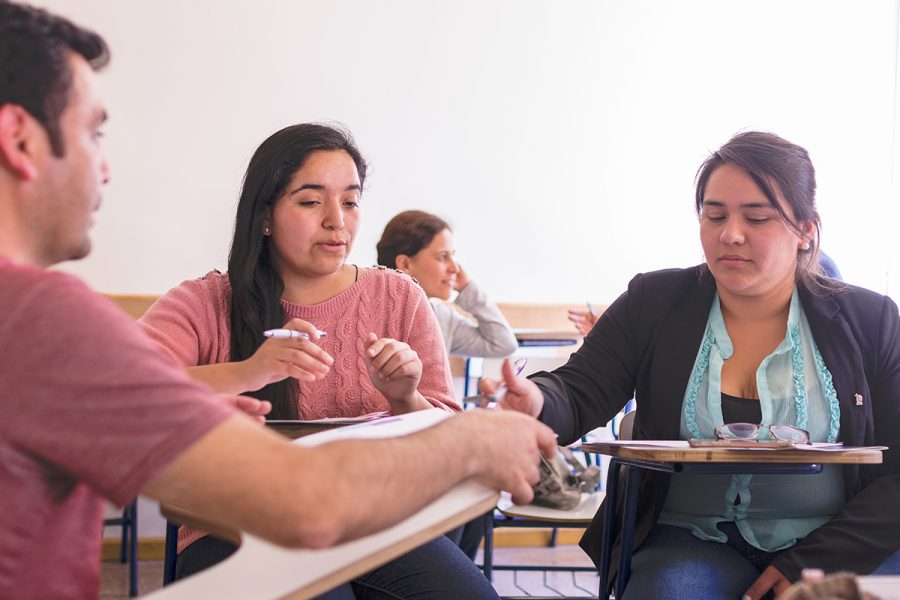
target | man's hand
[
  {"x": 770, "y": 579},
  {"x": 506, "y": 447},
  {"x": 521, "y": 394}
]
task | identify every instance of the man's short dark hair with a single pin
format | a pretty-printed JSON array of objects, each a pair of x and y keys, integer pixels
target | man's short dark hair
[{"x": 34, "y": 67}]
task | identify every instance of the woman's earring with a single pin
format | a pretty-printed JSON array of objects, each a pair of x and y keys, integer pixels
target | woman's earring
[
  {"x": 805, "y": 246},
  {"x": 266, "y": 230}
]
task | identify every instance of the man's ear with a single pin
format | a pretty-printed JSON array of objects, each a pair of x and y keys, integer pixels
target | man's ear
[
  {"x": 17, "y": 142},
  {"x": 402, "y": 263}
]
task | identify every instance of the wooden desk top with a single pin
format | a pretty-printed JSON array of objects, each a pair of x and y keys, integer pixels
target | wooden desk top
[{"x": 687, "y": 454}]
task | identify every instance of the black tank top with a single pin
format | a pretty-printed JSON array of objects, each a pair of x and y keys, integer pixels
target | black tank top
[{"x": 740, "y": 410}]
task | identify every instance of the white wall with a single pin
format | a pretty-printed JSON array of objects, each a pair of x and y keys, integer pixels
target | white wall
[{"x": 561, "y": 139}]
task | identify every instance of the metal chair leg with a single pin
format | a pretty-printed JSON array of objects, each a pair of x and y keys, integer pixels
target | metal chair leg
[
  {"x": 609, "y": 520},
  {"x": 132, "y": 526},
  {"x": 551, "y": 543},
  {"x": 123, "y": 544},
  {"x": 171, "y": 557},
  {"x": 488, "y": 562}
]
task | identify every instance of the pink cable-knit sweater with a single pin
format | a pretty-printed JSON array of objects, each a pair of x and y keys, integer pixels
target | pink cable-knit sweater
[{"x": 192, "y": 322}]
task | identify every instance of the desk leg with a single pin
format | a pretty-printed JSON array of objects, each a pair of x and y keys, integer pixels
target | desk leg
[
  {"x": 171, "y": 553},
  {"x": 609, "y": 519},
  {"x": 488, "y": 562},
  {"x": 632, "y": 486},
  {"x": 133, "y": 549}
]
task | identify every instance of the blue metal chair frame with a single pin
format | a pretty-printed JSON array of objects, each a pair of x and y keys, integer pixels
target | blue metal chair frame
[
  {"x": 633, "y": 469},
  {"x": 128, "y": 549},
  {"x": 497, "y": 519},
  {"x": 488, "y": 566},
  {"x": 171, "y": 557}
]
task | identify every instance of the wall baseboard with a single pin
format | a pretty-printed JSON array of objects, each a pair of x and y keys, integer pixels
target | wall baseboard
[
  {"x": 508, "y": 537},
  {"x": 148, "y": 549},
  {"x": 504, "y": 537}
]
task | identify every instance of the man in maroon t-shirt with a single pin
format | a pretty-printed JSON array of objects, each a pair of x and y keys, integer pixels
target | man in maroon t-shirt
[{"x": 90, "y": 410}]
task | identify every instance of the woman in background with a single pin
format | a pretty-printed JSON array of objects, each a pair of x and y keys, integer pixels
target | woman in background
[
  {"x": 421, "y": 245},
  {"x": 381, "y": 350}
]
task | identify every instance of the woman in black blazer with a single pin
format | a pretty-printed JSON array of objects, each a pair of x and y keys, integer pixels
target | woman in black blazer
[{"x": 755, "y": 334}]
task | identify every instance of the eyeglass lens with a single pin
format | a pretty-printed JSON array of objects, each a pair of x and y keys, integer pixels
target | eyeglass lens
[
  {"x": 750, "y": 431},
  {"x": 788, "y": 433},
  {"x": 744, "y": 431}
]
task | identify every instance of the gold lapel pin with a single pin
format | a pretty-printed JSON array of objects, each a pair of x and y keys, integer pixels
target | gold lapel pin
[{"x": 858, "y": 398}]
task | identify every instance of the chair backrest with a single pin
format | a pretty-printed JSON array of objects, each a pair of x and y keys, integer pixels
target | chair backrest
[{"x": 626, "y": 427}]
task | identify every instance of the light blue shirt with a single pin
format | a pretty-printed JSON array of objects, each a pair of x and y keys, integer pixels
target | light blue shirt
[{"x": 772, "y": 512}]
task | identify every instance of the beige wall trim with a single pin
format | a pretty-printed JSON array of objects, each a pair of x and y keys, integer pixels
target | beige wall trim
[
  {"x": 553, "y": 317},
  {"x": 520, "y": 315},
  {"x": 507, "y": 537},
  {"x": 148, "y": 549},
  {"x": 135, "y": 306}
]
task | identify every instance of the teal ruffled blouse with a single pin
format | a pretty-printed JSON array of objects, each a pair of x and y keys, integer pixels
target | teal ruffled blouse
[{"x": 772, "y": 512}]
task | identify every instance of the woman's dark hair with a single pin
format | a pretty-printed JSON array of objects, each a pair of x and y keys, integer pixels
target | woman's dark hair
[
  {"x": 34, "y": 67},
  {"x": 256, "y": 286},
  {"x": 778, "y": 167},
  {"x": 407, "y": 233}
]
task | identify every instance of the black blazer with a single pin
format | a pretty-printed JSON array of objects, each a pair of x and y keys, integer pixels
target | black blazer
[{"x": 645, "y": 344}]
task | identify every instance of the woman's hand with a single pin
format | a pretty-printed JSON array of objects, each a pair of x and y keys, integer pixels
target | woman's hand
[
  {"x": 584, "y": 320},
  {"x": 395, "y": 370},
  {"x": 521, "y": 394},
  {"x": 462, "y": 278},
  {"x": 253, "y": 408},
  {"x": 770, "y": 579},
  {"x": 278, "y": 359}
]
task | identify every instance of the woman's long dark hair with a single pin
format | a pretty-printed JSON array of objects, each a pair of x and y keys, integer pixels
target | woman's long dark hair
[{"x": 256, "y": 287}]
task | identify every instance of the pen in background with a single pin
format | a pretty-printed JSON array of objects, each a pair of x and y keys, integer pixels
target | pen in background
[{"x": 590, "y": 308}]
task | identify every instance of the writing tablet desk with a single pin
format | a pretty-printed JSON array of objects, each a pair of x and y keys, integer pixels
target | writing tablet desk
[
  {"x": 886, "y": 587},
  {"x": 260, "y": 570},
  {"x": 546, "y": 337},
  {"x": 677, "y": 457}
]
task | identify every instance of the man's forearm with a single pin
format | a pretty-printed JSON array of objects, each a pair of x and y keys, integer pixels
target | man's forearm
[
  {"x": 244, "y": 477},
  {"x": 384, "y": 481}
]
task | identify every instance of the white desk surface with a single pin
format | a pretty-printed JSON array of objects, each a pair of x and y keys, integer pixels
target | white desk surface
[
  {"x": 260, "y": 570},
  {"x": 584, "y": 511},
  {"x": 886, "y": 587}
]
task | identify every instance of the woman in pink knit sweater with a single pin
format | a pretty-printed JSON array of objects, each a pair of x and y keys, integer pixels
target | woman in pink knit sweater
[{"x": 382, "y": 348}]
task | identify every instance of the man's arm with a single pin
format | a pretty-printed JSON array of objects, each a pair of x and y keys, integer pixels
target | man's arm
[{"x": 251, "y": 479}]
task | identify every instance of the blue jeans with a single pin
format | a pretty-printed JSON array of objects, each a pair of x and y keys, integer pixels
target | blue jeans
[
  {"x": 673, "y": 563},
  {"x": 468, "y": 537},
  {"x": 437, "y": 570}
]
